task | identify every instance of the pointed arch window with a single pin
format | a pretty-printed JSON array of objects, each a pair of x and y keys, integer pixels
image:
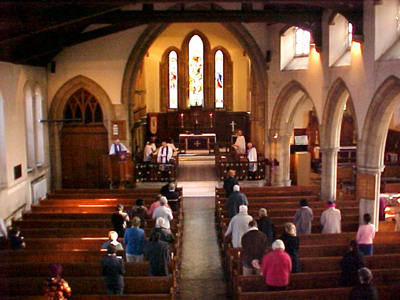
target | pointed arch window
[
  {"x": 219, "y": 79},
  {"x": 196, "y": 71},
  {"x": 173, "y": 79},
  {"x": 349, "y": 35},
  {"x": 83, "y": 106}
]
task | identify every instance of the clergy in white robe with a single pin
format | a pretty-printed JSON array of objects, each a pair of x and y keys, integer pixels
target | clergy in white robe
[
  {"x": 252, "y": 157},
  {"x": 116, "y": 147},
  {"x": 164, "y": 155},
  {"x": 240, "y": 144},
  {"x": 148, "y": 151}
]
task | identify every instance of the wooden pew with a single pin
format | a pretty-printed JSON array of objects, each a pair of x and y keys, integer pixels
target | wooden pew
[
  {"x": 72, "y": 269},
  {"x": 100, "y": 297},
  {"x": 89, "y": 285}
]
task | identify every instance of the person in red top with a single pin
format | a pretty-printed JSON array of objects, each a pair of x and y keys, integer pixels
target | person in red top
[{"x": 276, "y": 267}]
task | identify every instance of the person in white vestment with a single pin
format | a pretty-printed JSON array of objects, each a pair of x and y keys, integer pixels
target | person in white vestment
[
  {"x": 163, "y": 156},
  {"x": 148, "y": 151},
  {"x": 240, "y": 144},
  {"x": 171, "y": 144},
  {"x": 252, "y": 157},
  {"x": 117, "y": 147}
]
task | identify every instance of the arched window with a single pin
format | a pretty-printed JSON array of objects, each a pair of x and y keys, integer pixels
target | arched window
[
  {"x": 195, "y": 75},
  {"x": 196, "y": 71},
  {"x": 302, "y": 42},
  {"x": 30, "y": 128},
  {"x": 83, "y": 107},
  {"x": 219, "y": 79},
  {"x": 39, "y": 134},
  {"x": 173, "y": 79}
]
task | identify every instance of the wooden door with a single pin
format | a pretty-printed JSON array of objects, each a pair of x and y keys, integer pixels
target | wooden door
[{"x": 82, "y": 150}]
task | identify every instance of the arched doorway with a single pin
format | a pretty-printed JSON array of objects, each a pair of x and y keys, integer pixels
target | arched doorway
[
  {"x": 85, "y": 94},
  {"x": 84, "y": 142}
]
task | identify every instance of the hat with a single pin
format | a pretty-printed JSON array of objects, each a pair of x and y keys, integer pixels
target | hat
[{"x": 330, "y": 204}]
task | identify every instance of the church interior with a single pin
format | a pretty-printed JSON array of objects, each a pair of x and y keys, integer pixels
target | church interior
[{"x": 313, "y": 85}]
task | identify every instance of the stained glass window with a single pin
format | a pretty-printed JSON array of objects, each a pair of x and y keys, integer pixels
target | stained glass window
[
  {"x": 173, "y": 79},
  {"x": 196, "y": 71},
  {"x": 349, "y": 34},
  {"x": 302, "y": 42},
  {"x": 219, "y": 79}
]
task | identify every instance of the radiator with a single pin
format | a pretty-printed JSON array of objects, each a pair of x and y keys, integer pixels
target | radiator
[{"x": 39, "y": 189}]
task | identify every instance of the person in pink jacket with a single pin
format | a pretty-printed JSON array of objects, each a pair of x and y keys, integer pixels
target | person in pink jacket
[
  {"x": 276, "y": 267},
  {"x": 365, "y": 236}
]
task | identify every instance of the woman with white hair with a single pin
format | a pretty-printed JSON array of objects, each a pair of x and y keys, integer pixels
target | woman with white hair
[{"x": 276, "y": 267}]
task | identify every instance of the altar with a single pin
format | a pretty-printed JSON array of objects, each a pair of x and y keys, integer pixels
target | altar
[{"x": 203, "y": 141}]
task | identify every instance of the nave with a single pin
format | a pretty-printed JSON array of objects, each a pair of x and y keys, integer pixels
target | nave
[{"x": 69, "y": 228}]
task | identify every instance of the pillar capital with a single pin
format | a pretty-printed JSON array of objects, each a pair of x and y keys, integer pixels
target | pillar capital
[
  {"x": 371, "y": 170},
  {"x": 329, "y": 150}
]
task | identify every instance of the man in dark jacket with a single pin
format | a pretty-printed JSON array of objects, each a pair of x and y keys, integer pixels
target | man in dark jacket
[
  {"x": 158, "y": 256},
  {"x": 112, "y": 267},
  {"x": 234, "y": 201},
  {"x": 173, "y": 197},
  {"x": 254, "y": 245},
  {"x": 229, "y": 182},
  {"x": 351, "y": 262}
]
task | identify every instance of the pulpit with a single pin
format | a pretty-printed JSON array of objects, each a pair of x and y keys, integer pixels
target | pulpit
[{"x": 120, "y": 169}]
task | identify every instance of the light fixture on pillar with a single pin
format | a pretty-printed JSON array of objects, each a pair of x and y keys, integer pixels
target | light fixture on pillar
[{"x": 275, "y": 136}]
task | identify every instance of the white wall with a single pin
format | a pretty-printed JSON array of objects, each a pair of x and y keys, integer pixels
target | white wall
[
  {"x": 13, "y": 79},
  {"x": 386, "y": 26},
  {"x": 337, "y": 38},
  {"x": 103, "y": 60}
]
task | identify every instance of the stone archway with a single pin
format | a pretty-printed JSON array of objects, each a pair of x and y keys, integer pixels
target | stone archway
[
  {"x": 57, "y": 112},
  {"x": 370, "y": 158},
  {"x": 338, "y": 96},
  {"x": 290, "y": 98},
  {"x": 152, "y": 32}
]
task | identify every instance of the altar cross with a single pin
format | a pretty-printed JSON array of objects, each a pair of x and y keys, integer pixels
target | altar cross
[
  {"x": 197, "y": 143},
  {"x": 233, "y": 125}
]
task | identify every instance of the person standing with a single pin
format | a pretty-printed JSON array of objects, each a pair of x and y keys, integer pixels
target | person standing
[
  {"x": 276, "y": 267},
  {"x": 157, "y": 254},
  {"x": 230, "y": 182},
  {"x": 173, "y": 197},
  {"x": 351, "y": 262},
  {"x": 112, "y": 268},
  {"x": 148, "y": 151},
  {"x": 113, "y": 240},
  {"x": 163, "y": 156},
  {"x": 330, "y": 219},
  {"x": 303, "y": 218},
  {"x": 254, "y": 245},
  {"x": 292, "y": 242},
  {"x": 117, "y": 147},
  {"x": 140, "y": 211},
  {"x": 266, "y": 225},
  {"x": 240, "y": 143},
  {"x": 252, "y": 157},
  {"x": 165, "y": 234},
  {"x": 119, "y": 220},
  {"x": 135, "y": 241},
  {"x": 56, "y": 288},
  {"x": 163, "y": 212},
  {"x": 238, "y": 226},
  {"x": 234, "y": 201},
  {"x": 364, "y": 291},
  {"x": 16, "y": 241},
  {"x": 365, "y": 235}
]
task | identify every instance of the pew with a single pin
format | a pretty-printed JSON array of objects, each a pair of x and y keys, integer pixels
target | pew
[
  {"x": 89, "y": 285},
  {"x": 100, "y": 297}
]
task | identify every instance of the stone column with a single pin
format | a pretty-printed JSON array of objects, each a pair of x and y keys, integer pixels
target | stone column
[
  {"x": 329, "y": 173},
  {"x": 371, "y": 206},
  {"x": 281, "y": 152}
]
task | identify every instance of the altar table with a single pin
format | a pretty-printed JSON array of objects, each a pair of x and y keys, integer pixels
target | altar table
[{"x": 197, "y": 141}]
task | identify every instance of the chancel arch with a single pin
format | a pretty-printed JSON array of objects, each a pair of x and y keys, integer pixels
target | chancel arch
[
  {"x": 338, "y": 105},
  {"x": 86, "y": 103},
  {"x": 293, "y": 99},
  {"x": 370, "y": 160},
  {"x": 141, "y": 51}
]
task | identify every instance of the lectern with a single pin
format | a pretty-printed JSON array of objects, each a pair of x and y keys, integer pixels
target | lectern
[{"x": 120, "y": 169}]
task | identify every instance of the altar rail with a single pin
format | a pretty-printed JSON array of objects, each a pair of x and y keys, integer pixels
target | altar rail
[
  {"x": 228, "y": 159},
  {"x": 152, "y": 172}
]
